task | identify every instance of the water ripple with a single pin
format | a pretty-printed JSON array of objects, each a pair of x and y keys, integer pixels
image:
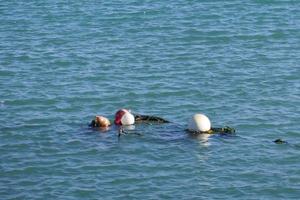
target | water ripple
[{"x": 61, "y": 63}]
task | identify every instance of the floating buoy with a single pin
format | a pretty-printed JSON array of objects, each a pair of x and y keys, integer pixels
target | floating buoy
[
  {"x": 127, "y": 119},
  {"x": 280, "y": 141},
  {"x": 199, "y": 122},
  {"x": 124, "y": 117},
  {"x": 118, "y": 116},
  {"x": 102, "y": 121}
]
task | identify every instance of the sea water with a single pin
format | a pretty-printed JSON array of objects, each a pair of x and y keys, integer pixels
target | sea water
[{"x": 63, "y": 62}]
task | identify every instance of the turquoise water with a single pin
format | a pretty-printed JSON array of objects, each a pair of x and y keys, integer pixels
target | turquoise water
[{"x": 62, "y": 62}]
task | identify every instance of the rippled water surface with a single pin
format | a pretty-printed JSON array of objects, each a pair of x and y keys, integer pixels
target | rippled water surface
[{"x": 62, "y": 62}]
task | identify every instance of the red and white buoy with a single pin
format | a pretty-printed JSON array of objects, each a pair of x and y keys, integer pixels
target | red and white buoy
[{"x": 124, "y": 117}]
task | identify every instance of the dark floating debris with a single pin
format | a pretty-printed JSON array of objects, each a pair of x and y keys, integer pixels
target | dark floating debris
[
  {"x": 149, "y": 119},
  {"x": 225, "y": 130},
  {"x": 280, "y": 141}
]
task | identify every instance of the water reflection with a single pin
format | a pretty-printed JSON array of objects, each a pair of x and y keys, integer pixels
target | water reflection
[
  {"x": 103, "y": 129},
  {"x": 128, "y": 127},
  {"x": 202, "y": 138}
]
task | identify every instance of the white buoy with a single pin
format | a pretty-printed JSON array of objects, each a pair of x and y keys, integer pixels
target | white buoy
[
  {"x": 127, "y": 119},
  {"x": 199, "y": 122}
]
